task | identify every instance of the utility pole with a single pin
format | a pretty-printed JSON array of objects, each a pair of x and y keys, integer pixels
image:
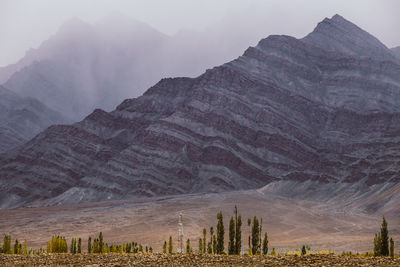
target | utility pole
[{"x": 180, "y": 232}]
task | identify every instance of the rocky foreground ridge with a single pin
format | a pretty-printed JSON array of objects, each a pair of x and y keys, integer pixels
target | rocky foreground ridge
[{"x": 287, "y": 114}]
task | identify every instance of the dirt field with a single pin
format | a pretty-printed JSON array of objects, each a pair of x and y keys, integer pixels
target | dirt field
[
  {"x": 289, "y": 223},
  {"x": 190, "y": 260}
]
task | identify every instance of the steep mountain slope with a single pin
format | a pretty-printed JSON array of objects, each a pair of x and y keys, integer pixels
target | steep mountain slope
[
  {"x": 289, "y": 111},
  {"x": 340, "y": 35},
  {"x": 22, "y": 118},
  {"x": 396, "y": 51}
]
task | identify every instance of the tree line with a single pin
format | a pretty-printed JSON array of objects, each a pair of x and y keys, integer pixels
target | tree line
[
  {"x": 212, "y": 244},
  {"x": 215, "y": 243},
  {"x": 382, "y": 245},
  {"x": 58, "y": 244}
]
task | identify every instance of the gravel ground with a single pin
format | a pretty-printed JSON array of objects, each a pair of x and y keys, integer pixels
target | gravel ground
[{"x": 189, "y": 260}]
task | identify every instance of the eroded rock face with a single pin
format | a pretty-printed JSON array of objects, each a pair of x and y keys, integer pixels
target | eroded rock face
[{"x": 288, "y": 109}]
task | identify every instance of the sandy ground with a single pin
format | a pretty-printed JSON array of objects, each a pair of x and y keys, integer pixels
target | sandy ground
[{"x": 289, "y": 223}]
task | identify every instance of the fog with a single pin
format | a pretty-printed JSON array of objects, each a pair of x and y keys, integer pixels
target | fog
[{"x": 26, "y": 24}]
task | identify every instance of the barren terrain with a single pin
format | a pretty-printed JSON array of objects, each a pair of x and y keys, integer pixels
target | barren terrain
[
  {"x": 191, "y": 260},
  {"x": 289, "y": 223}
]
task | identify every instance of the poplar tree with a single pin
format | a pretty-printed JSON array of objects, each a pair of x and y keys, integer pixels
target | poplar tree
[
  {"x": 204, "y": 240},
  {"x": 391, "y": 248},
  {"x": 101, "y": 243},
  {"x": 188, "y": 250},
  {"x": 16, "y": 247},
  {"x": 214, "y": 244},
  {"x": 212, "y": 240},
  {"x": 72, "y": 248},
  {"x": 200, "y": 246},
  {"x": 377, "y": 245},
  {"x": 95, "y": 248},
  {"x": 231, "y": 243},
  {"x": 165, "y": 247},
  {"x": 265, "y": 244},
  {"x": 303, "y": 250},
  {"x": 79, "y": 245},
  {"x": 255, "y": 237},
  {"x": 7, "y": 244},
  {"x": 89, "y": 247},
  {"x": 260, "y": 234},
  {"x": 170, "y": 245},
  {"x": 220, "y": 233},
  {"x": 248, "y": 224},
  {"x": 384, "y": 238},
  {"x": 25, "y": 248},
  {"x": 238, "y": 235}
]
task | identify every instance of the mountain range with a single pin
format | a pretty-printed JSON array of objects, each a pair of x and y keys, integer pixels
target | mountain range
[
  {"x": 86, "y": 66},
  {"x": 312, "y": 118}
]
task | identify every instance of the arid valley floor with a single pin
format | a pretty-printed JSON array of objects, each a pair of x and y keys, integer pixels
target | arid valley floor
[{"x": 289, "y": 223}]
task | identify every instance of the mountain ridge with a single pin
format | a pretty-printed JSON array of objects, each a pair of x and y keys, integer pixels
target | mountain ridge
[
  {"x": 340, "y": 35},
  {"x": 286, "y": 110}
]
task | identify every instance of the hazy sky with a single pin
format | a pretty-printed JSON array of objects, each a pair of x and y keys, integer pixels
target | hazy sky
[{"x": 25, "y": 24}]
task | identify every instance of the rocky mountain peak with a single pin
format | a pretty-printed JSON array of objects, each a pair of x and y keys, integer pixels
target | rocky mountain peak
[{"x": 340, "y": 35}]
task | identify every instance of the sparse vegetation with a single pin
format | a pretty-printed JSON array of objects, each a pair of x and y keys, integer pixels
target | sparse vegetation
[
  {"x": 100, "y": 251},
  {"x": 255, "y": 237},
  {"x": 170, "y": 248},
  {"x": 303, "y": 250},
  {"x": 265, "y": 244},
  {"x": 220, "y": 234},
  {"x": 382, "y": 245}
]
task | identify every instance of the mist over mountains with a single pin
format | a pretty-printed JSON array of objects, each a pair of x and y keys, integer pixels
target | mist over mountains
[
  {"x": 84, "y": 66},
  {"x": 314, "y": 118}
]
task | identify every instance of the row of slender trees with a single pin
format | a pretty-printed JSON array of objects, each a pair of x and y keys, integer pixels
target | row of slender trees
[
  {"x": 216, "y": 242},
  {"x": 16, "y": 249},
  {"x": 382, "y": 245},
  {"x": 58, "y": 244}
]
